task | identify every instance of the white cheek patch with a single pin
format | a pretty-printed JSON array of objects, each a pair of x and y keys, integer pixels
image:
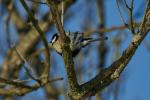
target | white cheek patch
[{"x": 54, "y": 39}]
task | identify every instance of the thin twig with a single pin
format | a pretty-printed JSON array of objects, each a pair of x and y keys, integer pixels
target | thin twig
[
  {"x": 22, "y": 89},
  {"x": 14, "y": 83},
  {"x": 62, "y": 13},
  {"x": 131, "y": 15},
  {"x": 127, "y": 6},
  {"x": 121, "y": 15},
  {"x": 131, "y": 18},
  {"x": 26, "y": 66},
  {"x": 45, "y": 73},
  {"x": 107, "y": 30},
  {"x": 7, "y": 29},
  {"x": 57, "y": 19}
]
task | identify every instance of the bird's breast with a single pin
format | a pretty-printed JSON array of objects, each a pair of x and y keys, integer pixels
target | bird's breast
[{"x": 57, "y": 47}]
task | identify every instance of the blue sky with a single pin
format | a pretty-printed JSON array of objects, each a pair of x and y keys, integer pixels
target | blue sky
[{"x": 136, "y": 86}]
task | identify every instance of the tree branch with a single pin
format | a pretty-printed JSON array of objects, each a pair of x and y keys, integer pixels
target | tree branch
[
  {"x": 74, "y": 87},
  {"x": 45, "y": 74},
  {"x": 20, "y": 88},
  {"x": 13, "y": 62},
  {"x": 114, "y": 70},
  {"x": 108, "y": 75}
]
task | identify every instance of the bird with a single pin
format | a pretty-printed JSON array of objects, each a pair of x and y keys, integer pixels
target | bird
[{"x": 77, "y": 42}]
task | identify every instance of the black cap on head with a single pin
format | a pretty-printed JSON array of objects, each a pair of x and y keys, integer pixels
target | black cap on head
[{"x": 54, "y": 38}]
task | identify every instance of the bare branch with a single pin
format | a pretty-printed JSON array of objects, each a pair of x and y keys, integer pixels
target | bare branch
[
  {"x": 57, "y": 19},
  {"x": 127, "y": 4},
  {"x": 121, "y": 15},
  {"x": 47, "y": 54},
  {"x": 27, "y": 66},
  {"x": 22, "y": 89},
  {"x": 107, "y": 76},
  {"x": 67, "y": 55},
  {"x": 107, "y": 30},
  {"x": 131, "y": 15},
  {"x": 113, "y": 72}
]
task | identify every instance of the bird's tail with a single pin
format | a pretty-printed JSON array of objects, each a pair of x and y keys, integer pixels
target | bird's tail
[
  {"x": 89, "y": 40},
  {"x": 97, "y": 39}
]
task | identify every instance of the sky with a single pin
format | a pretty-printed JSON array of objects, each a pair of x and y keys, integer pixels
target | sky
[
  {"x": 136, "y": 74},
  {"x": 137, "y": 71}
]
